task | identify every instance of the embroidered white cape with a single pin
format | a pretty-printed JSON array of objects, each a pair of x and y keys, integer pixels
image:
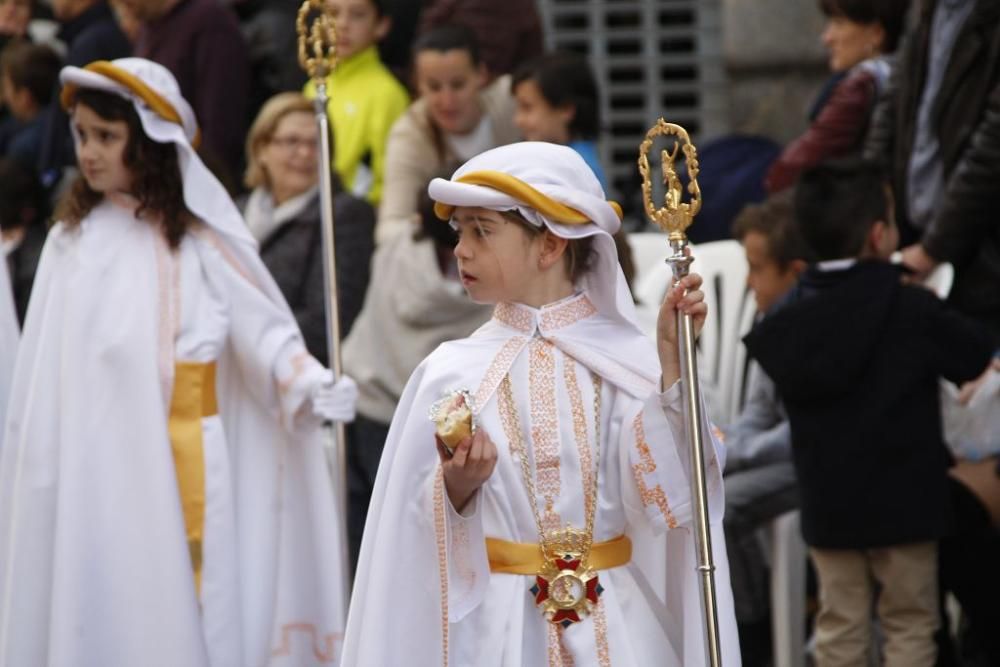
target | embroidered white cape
[
  {"x": 94, "y": 562},
  {"x": 423, "y": 592}
]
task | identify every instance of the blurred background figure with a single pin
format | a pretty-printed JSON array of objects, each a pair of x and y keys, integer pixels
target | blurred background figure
[
  {"x": 24, "y": 212},
  {"x": 508, "y": 32},
  {"x": 14, "y": 18},
  {"x": 200, "y": 42},
  {"x": 365, "y": 98},
  {"x": 415, "y": 302},
  {"x": 557, "y": 100},
  {"x": 89, "y": 32},
  {"x": 456, "y": 117},
  {"x": 282, "y": 211},
  {"x": 28, "y": 74},
  {"x": 760, "y": 478},
  {"x": 938, "y": 131},
  {"x": 858, "y": 37}
]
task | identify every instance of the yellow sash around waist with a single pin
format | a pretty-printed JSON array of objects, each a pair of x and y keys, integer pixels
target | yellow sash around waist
[
  {"x": 193, "y": 399},
  {"x": 526, "y": 558}
]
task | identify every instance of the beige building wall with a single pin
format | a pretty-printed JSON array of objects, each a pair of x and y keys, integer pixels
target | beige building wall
[{"x": 775, "y": 64}]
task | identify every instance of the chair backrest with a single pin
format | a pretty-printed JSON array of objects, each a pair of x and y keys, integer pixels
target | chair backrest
[{"x": 723, "y": 267}]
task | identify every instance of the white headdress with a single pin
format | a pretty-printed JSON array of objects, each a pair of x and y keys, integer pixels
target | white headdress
[
  {"x": 548, "y": 185},
  {"x": 166, "y": 117}
]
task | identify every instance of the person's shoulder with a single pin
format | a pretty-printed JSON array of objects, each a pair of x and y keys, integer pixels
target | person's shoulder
[{"x": 412, "y": 126}]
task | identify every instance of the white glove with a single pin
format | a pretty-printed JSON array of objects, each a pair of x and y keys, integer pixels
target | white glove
[{"x": 335, "y": 401}]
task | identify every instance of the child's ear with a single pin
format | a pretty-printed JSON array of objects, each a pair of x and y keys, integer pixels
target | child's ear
[
  {"x": 383, "y": 27},
  {"x": 482, "y": 75},
  {"x": 567, "y": 113},
  {"x": 876, "y": 238},
  {"x": 798, "y": 266},
  {"x": 553, "y": 248}
]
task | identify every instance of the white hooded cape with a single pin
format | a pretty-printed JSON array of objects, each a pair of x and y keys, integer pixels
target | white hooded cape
[
  {"x": 94, "y": 563},
  {"x": 423, "y": 592}
]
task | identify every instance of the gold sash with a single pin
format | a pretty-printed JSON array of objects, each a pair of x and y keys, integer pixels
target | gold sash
[
  {"x": 526, "y": 558},
  {"x": 193, "y": 399}
]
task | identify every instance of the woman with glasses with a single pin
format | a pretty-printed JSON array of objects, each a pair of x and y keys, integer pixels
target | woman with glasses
[{"x": 282, "y": 211}]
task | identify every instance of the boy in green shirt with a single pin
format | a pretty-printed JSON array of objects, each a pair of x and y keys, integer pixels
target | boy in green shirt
[{"x": 365, "y": 99}]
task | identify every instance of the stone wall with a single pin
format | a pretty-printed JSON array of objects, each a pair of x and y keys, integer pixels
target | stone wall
[{"x": 775, "y": 64}]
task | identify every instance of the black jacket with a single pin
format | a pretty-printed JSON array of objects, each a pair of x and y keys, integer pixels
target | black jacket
[
  {"x": 966, "y": 114},
  {"x": 856, "y": 357},
  {"x": 23, "y": 263},
  {"x": 294, "y": 256}
]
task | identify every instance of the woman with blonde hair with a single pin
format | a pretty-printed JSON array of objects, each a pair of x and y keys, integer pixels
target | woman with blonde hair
[{"x": 282, "y": 211}]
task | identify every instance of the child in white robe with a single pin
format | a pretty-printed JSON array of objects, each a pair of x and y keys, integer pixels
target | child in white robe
[
  {"x": 164, "y": 496},
  {"x": 578, "y": 447}
]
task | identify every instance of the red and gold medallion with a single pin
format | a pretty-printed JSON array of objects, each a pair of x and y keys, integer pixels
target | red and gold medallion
[{"x": 566, "y": 589}]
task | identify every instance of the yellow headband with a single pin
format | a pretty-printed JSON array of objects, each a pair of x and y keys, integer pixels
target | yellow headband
[
  {"x": 153, "y": 99},
  {"x": 518, "y": 189}
]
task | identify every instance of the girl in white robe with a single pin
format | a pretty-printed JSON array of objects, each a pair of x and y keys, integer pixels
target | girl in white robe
[
  {"x": 164, "y": 496},
  {"x": 562, "y": 385}
]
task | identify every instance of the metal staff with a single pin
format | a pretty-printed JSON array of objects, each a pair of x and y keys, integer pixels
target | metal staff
[
  {"x": 674, "y": 218},
  {"x": 318, "y": 57}
]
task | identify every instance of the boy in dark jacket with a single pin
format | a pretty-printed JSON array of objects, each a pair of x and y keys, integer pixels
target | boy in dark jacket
[{"x": 857, "y": 356}]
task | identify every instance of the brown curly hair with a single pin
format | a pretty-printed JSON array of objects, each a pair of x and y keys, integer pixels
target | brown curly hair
[{"x": 156, "y": 174}]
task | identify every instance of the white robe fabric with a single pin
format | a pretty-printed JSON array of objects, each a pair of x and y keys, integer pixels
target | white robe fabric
[
  {"x": 10, "y": 331},
  {"x": 94, "y": 562},
  {"x": 423, "y": 592}
]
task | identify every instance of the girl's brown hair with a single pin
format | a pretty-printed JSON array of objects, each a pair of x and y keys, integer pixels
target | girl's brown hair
[
  {"x": 579, "y": 255},
  {"x": 156, "y": 174}
]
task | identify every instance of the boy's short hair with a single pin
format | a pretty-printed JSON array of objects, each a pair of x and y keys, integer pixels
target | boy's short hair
[
  {"x": 449, "y": 38},
  {"x": 774, "y": 219},
  {"x": 566, "y": 78},
  {"x": 32, "y": 66},
  {"x": 836, "y": 205},
  {"x": 890, "y": 14}
]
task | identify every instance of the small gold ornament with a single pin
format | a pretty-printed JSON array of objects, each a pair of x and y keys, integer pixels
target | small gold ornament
[
  {"x": 676, "y": 215},
  {"x": 317, "y": 40}
]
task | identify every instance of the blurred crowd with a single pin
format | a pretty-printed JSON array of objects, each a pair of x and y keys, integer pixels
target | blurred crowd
[{"x": 896, "y": 174}]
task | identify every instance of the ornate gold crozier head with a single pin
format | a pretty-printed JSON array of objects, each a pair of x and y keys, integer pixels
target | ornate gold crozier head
[
  {"x": 317, "y": 39},
  {"x": 676, "y": 215}
]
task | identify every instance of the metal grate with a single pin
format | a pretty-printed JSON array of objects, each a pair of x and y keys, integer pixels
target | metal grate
[{"x": 652, "y": 58}]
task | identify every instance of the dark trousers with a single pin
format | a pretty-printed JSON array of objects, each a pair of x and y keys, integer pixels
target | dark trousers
[
  {"x": 970, "y": 570},
  {"x": 365, "y": 441}
]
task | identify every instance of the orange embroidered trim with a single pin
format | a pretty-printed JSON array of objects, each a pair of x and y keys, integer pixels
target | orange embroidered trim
[
  {"x": 558, "y": 655},
  {"x": 567, "y": 313},
  {"x": 580, "y": 426},
  {"x": 324, "y": 646},
  {"x": 498, "y": 368},
  {"x": 601, "y": 636},
  {"x": 514, "y": 316},
  {"x": 442, "y": 548},
  {"x": 647, "y": 466},
  {"x": 544, "y": 427},
  {"x": 168, "y": 277}
]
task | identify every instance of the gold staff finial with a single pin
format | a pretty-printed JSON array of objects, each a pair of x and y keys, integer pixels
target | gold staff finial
[
  {"x": 676, "y": 215},
  {"x": 317, "y": 40}
]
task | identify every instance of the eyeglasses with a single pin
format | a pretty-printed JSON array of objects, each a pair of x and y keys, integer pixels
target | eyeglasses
[{"x": 294, "y": 143}]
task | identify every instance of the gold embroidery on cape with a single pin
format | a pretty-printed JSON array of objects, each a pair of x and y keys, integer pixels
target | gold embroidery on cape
[
  {"x": 545, "y": 428},
  {"x": 646, "y": 466},
  {"x": 324, "y": 646},
  {"x": 442, "y": 549}
]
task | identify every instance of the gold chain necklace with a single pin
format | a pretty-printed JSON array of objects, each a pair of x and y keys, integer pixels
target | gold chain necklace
[{"x": 566, "y": 588}]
